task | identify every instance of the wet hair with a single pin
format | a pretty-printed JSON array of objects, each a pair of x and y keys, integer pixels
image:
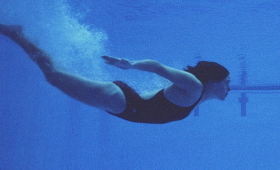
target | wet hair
[{"x": 206, "y": 71}]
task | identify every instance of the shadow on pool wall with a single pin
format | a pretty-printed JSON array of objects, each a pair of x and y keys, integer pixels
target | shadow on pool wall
[{"x": 41, "y": 128}]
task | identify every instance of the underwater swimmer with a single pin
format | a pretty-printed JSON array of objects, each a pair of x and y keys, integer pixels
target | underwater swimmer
[{"x": 188, "y": 88}]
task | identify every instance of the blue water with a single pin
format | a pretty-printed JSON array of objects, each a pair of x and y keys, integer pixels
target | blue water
[{"x": 41, "y": 128}]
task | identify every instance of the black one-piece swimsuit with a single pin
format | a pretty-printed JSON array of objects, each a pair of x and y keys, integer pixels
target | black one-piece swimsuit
[{"x": 157, "y": 110}]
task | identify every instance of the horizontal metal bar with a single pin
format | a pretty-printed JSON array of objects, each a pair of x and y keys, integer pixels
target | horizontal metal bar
[{"x": 255, "y": 87}]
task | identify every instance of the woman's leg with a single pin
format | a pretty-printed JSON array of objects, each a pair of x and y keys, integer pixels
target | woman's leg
[{"x": 103, "y": 95}]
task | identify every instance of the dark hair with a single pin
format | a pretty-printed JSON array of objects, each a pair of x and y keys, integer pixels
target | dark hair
[{"x": 206, "y": 71}]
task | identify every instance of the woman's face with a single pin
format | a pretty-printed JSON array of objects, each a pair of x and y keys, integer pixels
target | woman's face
[{"x": 223, "y": 88}]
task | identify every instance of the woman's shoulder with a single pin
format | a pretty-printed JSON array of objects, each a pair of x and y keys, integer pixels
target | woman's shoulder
[{"x": 182, "y": 97}]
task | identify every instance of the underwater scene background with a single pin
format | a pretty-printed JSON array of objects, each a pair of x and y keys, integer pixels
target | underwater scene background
[{"x": 41, "y": 128}]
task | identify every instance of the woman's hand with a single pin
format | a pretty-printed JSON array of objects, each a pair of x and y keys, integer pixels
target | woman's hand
[{"x": 118, "y": 62}]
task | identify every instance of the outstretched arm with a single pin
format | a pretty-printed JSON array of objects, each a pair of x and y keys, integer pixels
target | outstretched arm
[
  {"x": 144, "y": 65},
  {"x": 180, "y": 78}
]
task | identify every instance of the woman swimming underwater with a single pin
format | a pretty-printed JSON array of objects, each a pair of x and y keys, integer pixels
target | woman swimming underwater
[{"x": 188, "y": 88}]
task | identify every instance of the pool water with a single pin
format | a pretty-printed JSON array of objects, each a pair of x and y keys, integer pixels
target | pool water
[{"x": 41, "y": 128}]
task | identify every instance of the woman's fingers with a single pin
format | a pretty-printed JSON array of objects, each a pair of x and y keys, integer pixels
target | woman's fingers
[
  {"x": 118, "y": 62},
  {"x": 110, "y": 60}
]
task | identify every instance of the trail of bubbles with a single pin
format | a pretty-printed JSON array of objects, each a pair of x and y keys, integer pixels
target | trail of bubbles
[{"x": 50, "y": 24}]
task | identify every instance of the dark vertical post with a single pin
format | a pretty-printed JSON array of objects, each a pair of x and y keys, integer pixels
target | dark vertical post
[{"x": 243, "y": 98}]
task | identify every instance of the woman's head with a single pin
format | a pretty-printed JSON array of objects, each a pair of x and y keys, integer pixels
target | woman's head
[{"x": 206, "y": 71}]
